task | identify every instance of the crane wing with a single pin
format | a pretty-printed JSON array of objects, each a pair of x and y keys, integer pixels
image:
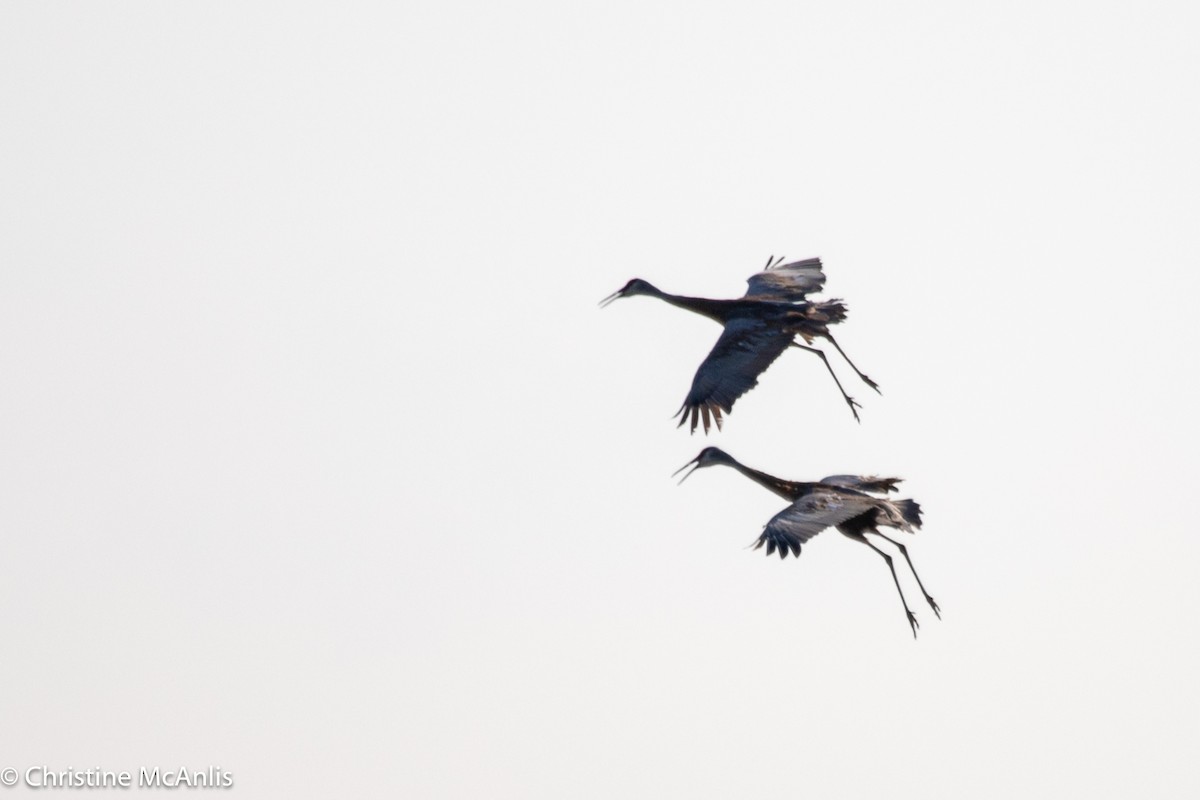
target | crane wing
[
  {"x": 744, "y": 351},
  {"x": 788, "y": 283},
  {"x": 863, "y": 483},
  {"x": 807, "y": 517}
]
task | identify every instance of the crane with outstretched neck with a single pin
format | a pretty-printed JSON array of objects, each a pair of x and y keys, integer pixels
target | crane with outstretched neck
[
  {"x": 758, "y": 328},
  {"x": 841, "y": 501}
]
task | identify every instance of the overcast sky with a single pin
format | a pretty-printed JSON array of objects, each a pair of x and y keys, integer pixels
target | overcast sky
[{"x": 319, "y": 463}]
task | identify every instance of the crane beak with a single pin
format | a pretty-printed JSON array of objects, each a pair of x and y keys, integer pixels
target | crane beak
[
  {"x": 619, "y": 293},
  {"x": 694, "y": 461}
]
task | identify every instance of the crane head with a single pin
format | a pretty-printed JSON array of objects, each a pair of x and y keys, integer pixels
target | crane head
[
  {"x": 634, "y": 287},
  {"x": 708, "y": 456}
]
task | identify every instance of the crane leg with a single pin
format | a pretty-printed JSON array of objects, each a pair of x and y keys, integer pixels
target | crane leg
[
  {"x": 912, "y": 618},
  {"x": 904, "y": 552},
  {"x": 865, "y": 379},
  {"x": 849, "y": 400}
]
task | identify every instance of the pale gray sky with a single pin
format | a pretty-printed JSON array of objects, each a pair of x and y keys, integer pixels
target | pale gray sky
[{"x": 320, "y": 464}]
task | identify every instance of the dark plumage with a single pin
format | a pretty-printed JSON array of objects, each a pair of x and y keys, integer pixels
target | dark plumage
[
  {"x": 759, "y": 327},
  {"x": 841, "y": 501}
]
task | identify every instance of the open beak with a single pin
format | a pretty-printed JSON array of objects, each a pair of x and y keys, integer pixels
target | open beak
[
  {"x": 695, "y": 461},
  {"x": 617, "y": 294}
]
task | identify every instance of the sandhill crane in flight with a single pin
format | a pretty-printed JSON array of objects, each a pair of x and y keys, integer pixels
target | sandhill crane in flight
[
  {"x": 838, "y": 500},
  {"x": 759, "y": 326}
]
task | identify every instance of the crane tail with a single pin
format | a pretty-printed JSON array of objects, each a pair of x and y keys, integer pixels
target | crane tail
[
  {"x": 830, "y": 312},
  {"x": 904, "y": 515},
  {"x": 911, "y": 511}
]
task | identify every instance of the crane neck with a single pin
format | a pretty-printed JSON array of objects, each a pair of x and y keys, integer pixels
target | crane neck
[
  {"x": 785, "y": 489},
  {"x": 717, "y": 310}
]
